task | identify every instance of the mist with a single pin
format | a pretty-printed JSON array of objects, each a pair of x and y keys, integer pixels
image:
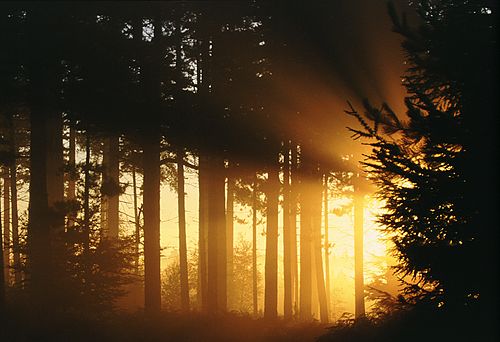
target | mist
[{"x": 245, "y": 171}]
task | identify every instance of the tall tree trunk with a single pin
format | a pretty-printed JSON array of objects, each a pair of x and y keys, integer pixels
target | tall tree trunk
[
  {"x": 2, "y": 275},
  {"x": 220, "y": 208},
  {"x": 271, "y": 266},
  {"x": 318, "y": 259},
  {"x": 15, "y": 225},
  {"x": 6, "y": 225},
  {"x": 294, "y": 185},
  {"x": 104, "y": 199},
  {"x": 327, "y": 241},
  {"x": 359, "y": 310},
  {"x": 183, "y": 264},
  {"x": 72, "y": 173},
  {"x": 217, "y": 262},
  {"x": 152, "y": 184},
  {"x": 254, "y": 247},
  {"x": 230, "y": 234},
  {"x": 287, "y": 237},
  {"x": 305, "y": 239},
  {"x": 16, "y": 253},
  {"x": 211, "y": 244},
  {"x": 86, "y": 197},
  {"x": 137, "y": 230},
  {"x": 152, "y": 282},
  {"x": 55, "y": 186},
  {"x": 314, "y": 274},
  {"x": 40, "y": 263},
  {"x": 111, "y": 180},
  {"x": 202, "y": 234},
  {"x": 55, "y": 171}
]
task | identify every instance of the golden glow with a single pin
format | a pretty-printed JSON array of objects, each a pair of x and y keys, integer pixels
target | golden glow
[{"x": 376, "y": 247}]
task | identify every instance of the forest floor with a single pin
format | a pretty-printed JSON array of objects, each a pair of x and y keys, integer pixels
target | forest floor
[
  {"x": 165, "y": 327},
  {"x": 410, "y": 326}
]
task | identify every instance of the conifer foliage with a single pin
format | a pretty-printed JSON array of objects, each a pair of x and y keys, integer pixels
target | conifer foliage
[{"x": 428, "y": 165}]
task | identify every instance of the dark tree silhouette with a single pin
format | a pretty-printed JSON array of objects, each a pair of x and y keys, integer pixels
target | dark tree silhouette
[
  {"x": 2, "y": 278},
  {"x": 429, "y": 168}
]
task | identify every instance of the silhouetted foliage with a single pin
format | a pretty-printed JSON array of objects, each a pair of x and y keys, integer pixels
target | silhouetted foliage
[
  {"x": 171, "y": 288},
  {"x": 428, "y": 167},
  {"x": 233, "y": 90}
]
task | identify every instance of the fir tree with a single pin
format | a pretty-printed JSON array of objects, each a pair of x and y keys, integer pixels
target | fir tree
[{"x": 429, "y": 168}]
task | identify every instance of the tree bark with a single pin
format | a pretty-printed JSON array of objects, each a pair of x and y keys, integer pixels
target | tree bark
[
  {"x": 151, "y": 160},
  {"x": 230, "y": 234},
  {"x": 287, "y": 238},
  {"x": 55, "y": 170},
  {"x": 294, "y": 193},
  {"x": 271, "y": 266},
  {"x": 327, "y": 241},
  {"x": 137, "y": 230},
  {"x": 182, "y": 231},
  {"x": 16, "y": 253},
  {"x": 219, "y": 208},
  {"x": 217, "y": 299},
  {"x": 202, "y": 234},
  {"x": 254, "y": 247},
  {"x": 2, "y": 275},
  {"x": 359, "y": 310},
  {"x": 15, "y": 226},
  {"x": 72, "y": 173},
  {"x": 86, "y": 197},
  {"x": 111, "y": 176},
  {"x": 40, "y": 263},
  {"x": 318, "y": 260},
  {"x": 152, "y": 282},
  {"x": 305, "y": 240},
  {"x": 6, "y": 226}
]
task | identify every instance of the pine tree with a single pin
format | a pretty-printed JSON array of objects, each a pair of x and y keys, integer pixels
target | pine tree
[{"x": 429, "y": 168}]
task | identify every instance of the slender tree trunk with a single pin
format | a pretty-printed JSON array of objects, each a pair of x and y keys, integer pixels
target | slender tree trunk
[
  {"x": 230, "y": 234},
  {"x": 314, "y": 274},
  {"x": 110, "y": 201},
  {"x": 271, "y": 267},
  {"x": 86, "y": 197},
  {"x": 359, "y": 310},
  {"x": 183, "y": 264},
  {"x": 305, "y": 241},
  {"x": 220, "y": 208},
  {"x": 6, "y": 225},
  {"x": 202, "y": 234},
  {"x": 14, "y": 215},
  {"x": 104, "y": 199},
  {"x": 318, "y": 260},
  {"x": 327, "y": 242},
  {"x": 40, "y": 263},
  {"x": 15, "y": 225},
  {"x": 212, "y": 270},
  {"x": 111, "y": 178},
  {"x": 55, "y": 160},
  {"x": 152, "y": 282},
  {"x": 55, "y": 171},
  {"x": 217, "y": 299},
  {"x": 55, "y": 187},
  {"x": 2, "y": 275},
  {"x": 182, "y": 231},
  {"x": 287, "y": 237},
  {"x": 293, "y": 226},
  {"x": 137, "y": 231},
  {"x": 254, "y": 247},
  {"x": 152, "y": 184},
  {"x": 72, "y": 173}
]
